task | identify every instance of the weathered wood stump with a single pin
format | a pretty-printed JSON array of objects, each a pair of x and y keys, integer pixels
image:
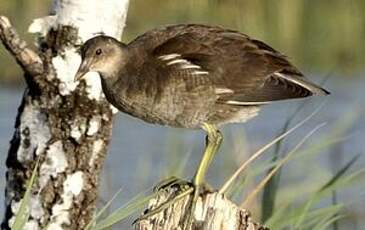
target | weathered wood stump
[{"x": 213, "y": 212}]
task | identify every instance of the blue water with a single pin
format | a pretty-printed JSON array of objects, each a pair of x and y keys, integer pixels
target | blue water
[{"x": 140, "y": 153}]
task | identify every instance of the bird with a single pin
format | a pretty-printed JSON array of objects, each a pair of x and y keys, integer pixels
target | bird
[{"x": 193, "y": 76}]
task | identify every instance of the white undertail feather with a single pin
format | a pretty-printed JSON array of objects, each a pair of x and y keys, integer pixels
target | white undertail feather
[
  {"x": 242, "y": 115},
  {"x": 247, "y": 102}
]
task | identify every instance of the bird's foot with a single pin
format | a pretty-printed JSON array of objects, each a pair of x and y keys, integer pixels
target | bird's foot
[
  {"x": 177, "y": 190},
  {"x": 172, "y": 183}
]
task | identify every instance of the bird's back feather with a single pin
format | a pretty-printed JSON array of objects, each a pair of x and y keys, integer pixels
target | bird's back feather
[{"x": 249, "y": 71}]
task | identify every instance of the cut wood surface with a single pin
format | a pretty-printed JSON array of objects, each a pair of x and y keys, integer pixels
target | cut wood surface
[{"x": 213, "y": 212}]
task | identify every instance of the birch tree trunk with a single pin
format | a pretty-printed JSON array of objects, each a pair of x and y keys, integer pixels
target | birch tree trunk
[{"x": 66, "y": 125}]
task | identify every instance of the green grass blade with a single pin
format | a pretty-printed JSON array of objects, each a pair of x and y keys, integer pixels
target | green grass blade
[
  {"x": 289, "y": 215},
  {"x": 280, "y": 219},
  {"x": 325, "y": 225},
  {"x": 269, "y": 194},
  {"x": 338, "y": 179},
  {"x": 278, "y": 166},
  {"x": 321, "y": 216},
  {"x": 327, "y": 221},
  {"x": 123, "y": 212},
  {"x": 22, "y": 215},
  {"x": 235, "y": 190},
  {"x": 340, "y": 173},
  {"x": 314, "y": 149},
  {"x": 102, "y": 211},
  {"x": 258, "y": 153},
  {"x": 334, "y": 202},
  {"x": 279, "y": 214},
  {"x": 272, "y": 186}
]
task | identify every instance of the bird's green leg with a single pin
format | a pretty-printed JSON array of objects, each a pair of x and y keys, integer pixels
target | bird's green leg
[{"x": 213, "y": 140}]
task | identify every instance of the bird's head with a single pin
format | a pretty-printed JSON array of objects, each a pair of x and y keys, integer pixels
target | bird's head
[{"x": 101, "y": 54}]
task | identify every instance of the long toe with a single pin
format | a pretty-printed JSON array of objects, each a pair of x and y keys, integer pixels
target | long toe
[
  {"x": 172, "y": 183},
  {"x": 169, "y": 191}
]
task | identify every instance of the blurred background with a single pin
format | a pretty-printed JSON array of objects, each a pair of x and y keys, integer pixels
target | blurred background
[{"x": 323, "y": 38}]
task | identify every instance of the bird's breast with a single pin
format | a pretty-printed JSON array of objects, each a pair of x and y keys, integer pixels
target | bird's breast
[{"x": 166, "y": 104}]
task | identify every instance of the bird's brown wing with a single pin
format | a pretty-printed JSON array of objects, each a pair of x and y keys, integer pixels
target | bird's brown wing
[
  {"x": 243, "y": 71},
  {"x": 182, "y": 60}
]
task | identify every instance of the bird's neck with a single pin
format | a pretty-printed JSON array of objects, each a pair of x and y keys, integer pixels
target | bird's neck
[
  {"x": 122, "y": 85},
  {"x": 110, "y": 87}
]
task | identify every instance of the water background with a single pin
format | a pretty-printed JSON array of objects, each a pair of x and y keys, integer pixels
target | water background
[{"x": 141, "y": 154}]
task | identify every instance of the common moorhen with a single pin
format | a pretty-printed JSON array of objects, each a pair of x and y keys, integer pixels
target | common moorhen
[{"x": 193, "y": 76}]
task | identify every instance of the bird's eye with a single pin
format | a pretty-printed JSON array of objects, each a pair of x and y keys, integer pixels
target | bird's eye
[{"x": 98, "y": 51}]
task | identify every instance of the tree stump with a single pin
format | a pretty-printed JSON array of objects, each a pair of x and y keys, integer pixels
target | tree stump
[{"x": 213, "y": 212}]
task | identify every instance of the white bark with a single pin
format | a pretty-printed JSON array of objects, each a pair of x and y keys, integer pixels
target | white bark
[
  {"x": 50, "y": 125},
  {"x": 91, "y": 18}
]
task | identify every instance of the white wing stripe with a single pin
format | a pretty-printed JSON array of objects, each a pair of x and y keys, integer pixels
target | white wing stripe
[
  {"x": 190, "y": 66},
  {"x": 168, "y": 57},
  {"x": 200, "y": 72},
  {"x": 223, "y": 90},
  {"x": 178, "y": 61},
  {"x": 172, "y": 59}
]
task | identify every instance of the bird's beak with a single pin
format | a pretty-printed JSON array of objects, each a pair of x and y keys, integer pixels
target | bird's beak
[{"x": 83, "y": 69}]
